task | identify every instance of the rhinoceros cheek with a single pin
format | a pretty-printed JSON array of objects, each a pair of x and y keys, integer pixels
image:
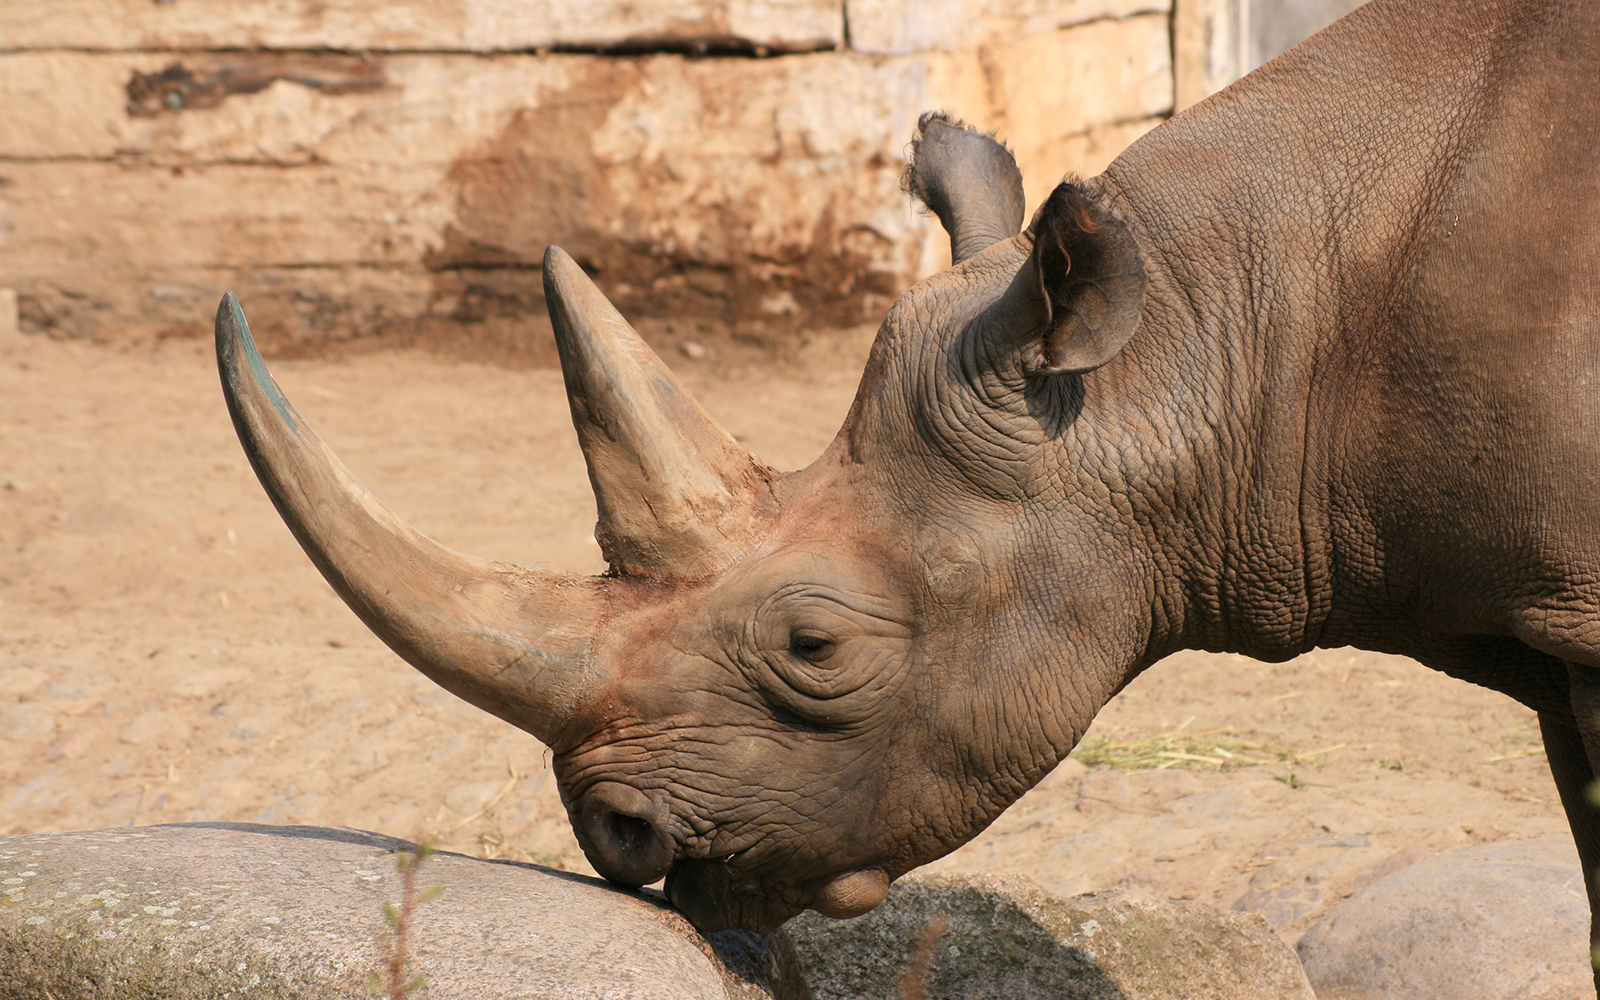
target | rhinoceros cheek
[{"x": 851, "y": 894}]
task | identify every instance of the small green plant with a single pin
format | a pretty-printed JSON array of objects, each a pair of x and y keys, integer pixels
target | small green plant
[
  {"x": 391, "y": 981},
  {"x": 1295, "y": 781}
]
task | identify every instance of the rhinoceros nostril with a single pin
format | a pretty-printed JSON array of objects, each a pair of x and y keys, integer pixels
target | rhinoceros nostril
[
  {"x": 620, "y": 829},
  {"x": 630, "y": 832}
]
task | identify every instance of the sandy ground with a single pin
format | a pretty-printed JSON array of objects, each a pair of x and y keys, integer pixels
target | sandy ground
[{"x": 168, "y": 654}]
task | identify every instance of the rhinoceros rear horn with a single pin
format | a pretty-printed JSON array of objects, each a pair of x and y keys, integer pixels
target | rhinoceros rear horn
[
  {"x": 969, "y": 180},
  {"x": 674, "y": 491},
  {"x": 512, "y": 642}
]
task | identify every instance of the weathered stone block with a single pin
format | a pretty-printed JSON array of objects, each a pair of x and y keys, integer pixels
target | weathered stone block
[
  {"x": 900, "y": 27},
  {"x": 1085, "y": 153},
  {"x": 1007, "y": 938},
  {"x": 1276, "y": 25},
  {"x": 223, "y": 217},
  {"x": 702, "y": 182},
  {"x": 693, "y": 188},
  {"x": 8, "y": 313},
  {"x": 205, "y": 911},
  {"x": 1052, "y": 90},
  {"x": 1211, "y": 43},
  {"x": 373, "y": 25},
  {"x": 1506, "y": 921}
]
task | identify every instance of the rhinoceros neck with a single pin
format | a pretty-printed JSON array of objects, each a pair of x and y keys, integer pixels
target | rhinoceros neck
[
  {"x": 1219, "y": 439},
  {"x": 1282, "y": 221}
]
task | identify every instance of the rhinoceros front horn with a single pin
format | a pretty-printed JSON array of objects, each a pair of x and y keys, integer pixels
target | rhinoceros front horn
[
  {"x": 675, "y": 493},
  {"x": 512, "y": 642}
]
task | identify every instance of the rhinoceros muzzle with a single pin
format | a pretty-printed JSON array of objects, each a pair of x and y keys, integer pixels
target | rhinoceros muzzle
[{"x": 624, "y": 833}]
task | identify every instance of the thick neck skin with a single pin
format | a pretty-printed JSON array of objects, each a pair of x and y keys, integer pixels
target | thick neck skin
[{"x": 1283, "y": 223}]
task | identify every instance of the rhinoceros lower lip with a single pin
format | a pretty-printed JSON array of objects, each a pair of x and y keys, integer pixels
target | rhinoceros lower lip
[
  {"x": 703, "y": 891},
  {"x": 850, "y": 894}
]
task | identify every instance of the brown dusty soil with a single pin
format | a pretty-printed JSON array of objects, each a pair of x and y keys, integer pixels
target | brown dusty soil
[{"x": 168, "y": 654}]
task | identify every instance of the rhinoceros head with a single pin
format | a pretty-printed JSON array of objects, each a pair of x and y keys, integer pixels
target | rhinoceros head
[{"x": 790, "y": 688}]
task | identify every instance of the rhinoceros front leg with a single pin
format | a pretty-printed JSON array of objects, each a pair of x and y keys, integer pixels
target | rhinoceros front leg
[{"x": 1574, "y": 755}]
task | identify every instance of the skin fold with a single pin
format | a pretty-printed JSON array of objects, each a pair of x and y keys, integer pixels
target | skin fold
[{"x": 1312, "y": 364}]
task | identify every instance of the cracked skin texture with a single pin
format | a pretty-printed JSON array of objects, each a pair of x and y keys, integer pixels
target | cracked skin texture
[{"x": 1351, "y": 407}]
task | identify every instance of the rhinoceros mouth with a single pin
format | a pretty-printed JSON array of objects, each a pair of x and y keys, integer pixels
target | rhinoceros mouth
[
  {"x": 714, "y": 897},
  {"x": 709, "y": 893}
]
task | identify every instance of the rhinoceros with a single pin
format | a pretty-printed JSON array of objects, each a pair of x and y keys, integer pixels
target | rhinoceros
[{"x": 1314, "y": 363}]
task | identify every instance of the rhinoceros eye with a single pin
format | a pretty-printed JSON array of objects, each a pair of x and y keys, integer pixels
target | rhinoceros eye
[{"x": 811, "y": 647}]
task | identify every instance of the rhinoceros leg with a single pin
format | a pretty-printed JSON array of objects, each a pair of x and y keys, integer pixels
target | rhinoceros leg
[{"x": 1574, "y": 755}]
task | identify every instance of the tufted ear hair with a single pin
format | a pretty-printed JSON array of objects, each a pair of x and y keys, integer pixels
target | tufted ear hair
[{"x": 1090, "y": 276}]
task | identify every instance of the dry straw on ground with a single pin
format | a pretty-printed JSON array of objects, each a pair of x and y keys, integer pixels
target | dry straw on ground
[{"x": 1212, "y": 750}]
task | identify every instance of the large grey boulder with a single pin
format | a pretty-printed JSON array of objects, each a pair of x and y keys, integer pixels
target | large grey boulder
[
  {"x": 1005, "y": 937},
  {"x": 218, "y": 910},
  {"x": 1506, "y": 921}
]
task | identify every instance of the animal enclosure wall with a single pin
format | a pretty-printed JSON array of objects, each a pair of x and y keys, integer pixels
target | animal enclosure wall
[{"x": 362, "y": 168}]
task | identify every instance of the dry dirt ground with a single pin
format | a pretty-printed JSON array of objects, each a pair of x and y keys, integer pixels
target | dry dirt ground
[{"x": 168, "y": 654}]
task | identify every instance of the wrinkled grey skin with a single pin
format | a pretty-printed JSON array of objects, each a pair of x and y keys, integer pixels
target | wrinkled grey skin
[{"x": 1312, "y": 364}]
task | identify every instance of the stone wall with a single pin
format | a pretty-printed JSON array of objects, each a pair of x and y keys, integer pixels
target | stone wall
[{"x": 357, "y": 168}]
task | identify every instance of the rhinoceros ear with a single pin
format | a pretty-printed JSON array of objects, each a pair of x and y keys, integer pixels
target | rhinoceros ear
[
  {"x": 969, "y": 180},
  {"x": 1090, "y": 277}
]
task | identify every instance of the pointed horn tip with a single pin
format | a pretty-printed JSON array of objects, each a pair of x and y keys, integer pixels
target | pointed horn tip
[
  {"x": 231, "y": 327},
  {"x": 564, "y": 276},
  {"x": 233, "y": 332},
  {"x": 576, "y": 304},
  {"x": 234, "y": 341}
]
